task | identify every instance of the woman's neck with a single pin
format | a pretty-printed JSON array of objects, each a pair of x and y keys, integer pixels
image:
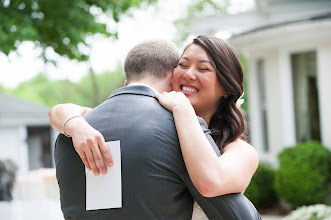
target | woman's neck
[
  {"x": 205, "y": 114},
  {"x": 207, "y": 118}
]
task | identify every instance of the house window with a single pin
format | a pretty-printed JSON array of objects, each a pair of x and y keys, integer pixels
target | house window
[
  {"x": 39, "y": 145},
  {"x": 306, "y": 104},
  {"x": 263, "y": 103}
]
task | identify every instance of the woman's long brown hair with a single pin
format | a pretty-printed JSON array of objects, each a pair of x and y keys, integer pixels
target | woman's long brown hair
[{"x": 229, "y": 121}]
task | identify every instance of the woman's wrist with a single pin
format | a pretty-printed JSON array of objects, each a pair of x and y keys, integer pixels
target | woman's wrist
[
  {"x": 181, "y": 109},
  {"x": 72, "y": 125}
]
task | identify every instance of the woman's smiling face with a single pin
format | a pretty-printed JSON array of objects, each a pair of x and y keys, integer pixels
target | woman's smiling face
[{"x": 196, "y": 77}]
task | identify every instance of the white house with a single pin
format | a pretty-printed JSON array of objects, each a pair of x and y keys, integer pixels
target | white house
[
  {"x": 287, "y": 45},
  {"x": 26, "y": 136}
]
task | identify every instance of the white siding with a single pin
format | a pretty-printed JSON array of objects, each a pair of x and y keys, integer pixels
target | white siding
[{"x": 13, "y": 146}]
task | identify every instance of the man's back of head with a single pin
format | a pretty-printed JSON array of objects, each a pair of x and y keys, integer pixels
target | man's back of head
[{"x": 153, "y": 59}]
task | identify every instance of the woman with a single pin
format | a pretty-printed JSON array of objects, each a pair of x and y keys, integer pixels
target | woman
[
  {"x": 209, "y": 74},
  {"x": 207, "y": 82}
]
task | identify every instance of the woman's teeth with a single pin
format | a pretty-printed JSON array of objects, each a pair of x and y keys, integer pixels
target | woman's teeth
[{"x": 189, "y": 89}]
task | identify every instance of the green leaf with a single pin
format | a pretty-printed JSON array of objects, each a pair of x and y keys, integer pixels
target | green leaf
[{"x": 60, "y": 24}]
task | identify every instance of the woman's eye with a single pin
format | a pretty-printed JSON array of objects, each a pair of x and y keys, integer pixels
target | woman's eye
[
  {"x": 182, "y": 65},
  {"x": 204, "y": 69}
]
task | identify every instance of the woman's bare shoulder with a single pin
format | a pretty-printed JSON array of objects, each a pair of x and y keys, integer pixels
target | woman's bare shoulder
[{"x": 241, "y": 146}]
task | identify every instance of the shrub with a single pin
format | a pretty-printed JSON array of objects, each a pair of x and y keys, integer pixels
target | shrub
[
  {"x": 313, "y": 212},
  {"x": 261, "y": 188},
  {"x": 303, "y": 173}
]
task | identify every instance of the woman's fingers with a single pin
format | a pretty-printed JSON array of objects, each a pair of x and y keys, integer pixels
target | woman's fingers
[
  {"x": 100, "y": 152},
  {"x": 105, "y": 152},
  {"x": 96, "y": 145},
  {"x": 98, "y": 159},
  {"x": 84, "y": 159},
  {"x": 169, "y": 99},
  {"x": 160, "y": 95},
  {"x": 92, "y": 163},
  {"x": 91, "y": 147},
  {"x": 157, "y": 96}
]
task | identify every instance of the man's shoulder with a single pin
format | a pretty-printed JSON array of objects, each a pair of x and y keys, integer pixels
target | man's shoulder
[
  {"x": 135, "y": 110},
  {"x": 136, "y": 102}
]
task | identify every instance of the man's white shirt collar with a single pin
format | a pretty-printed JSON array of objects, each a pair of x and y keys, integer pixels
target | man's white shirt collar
[{"x": 141, "y": 84}]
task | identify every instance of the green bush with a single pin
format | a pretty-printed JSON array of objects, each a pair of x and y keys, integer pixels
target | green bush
[
  {"x": 302, "y": 178},
  {"x": 261, "y": 188}
]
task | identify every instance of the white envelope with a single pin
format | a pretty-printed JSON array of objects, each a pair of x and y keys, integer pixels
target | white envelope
[{"x": 105, "y": 191}]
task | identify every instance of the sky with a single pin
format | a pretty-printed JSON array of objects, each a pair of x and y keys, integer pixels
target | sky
[{"x": 150, "y": 23}]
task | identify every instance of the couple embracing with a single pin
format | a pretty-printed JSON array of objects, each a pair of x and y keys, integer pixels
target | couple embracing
[{"x": 177, "y": 146}]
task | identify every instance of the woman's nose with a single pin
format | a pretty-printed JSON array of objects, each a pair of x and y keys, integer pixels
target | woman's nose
[{"x": 189, "y": 75}]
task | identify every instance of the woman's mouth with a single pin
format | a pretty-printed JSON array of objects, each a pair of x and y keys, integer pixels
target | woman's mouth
[{"x": 187, "y": 89}]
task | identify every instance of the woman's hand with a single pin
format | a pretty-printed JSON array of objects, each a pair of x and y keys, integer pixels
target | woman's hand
[
  {"x": 172, "y": 100},
  {"x": 90, "y": 145},
  {"x": 88, "y": 142}
]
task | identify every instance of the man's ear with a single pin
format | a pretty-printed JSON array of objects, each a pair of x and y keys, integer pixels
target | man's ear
[
  {"x": 168, "y": 81},
  {"x": 125, "y": 83}
]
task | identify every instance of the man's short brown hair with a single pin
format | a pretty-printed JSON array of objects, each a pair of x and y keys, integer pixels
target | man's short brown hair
[{"x": 152, "y": 58}]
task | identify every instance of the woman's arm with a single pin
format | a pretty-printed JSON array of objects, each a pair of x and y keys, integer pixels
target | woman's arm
[
  {"x": 88, "y": 142},
  {"x": 62, "y": 112},
  {"x": 210, "y": 174}
]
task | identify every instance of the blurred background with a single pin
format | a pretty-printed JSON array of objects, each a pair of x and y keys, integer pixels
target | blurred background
[{"x": 60, "y": 51}]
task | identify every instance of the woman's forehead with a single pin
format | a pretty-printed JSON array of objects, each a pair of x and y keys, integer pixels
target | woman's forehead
[{"x": 197, "y": 52}]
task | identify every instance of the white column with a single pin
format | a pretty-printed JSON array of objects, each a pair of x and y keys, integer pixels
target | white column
[
  {"x": 274, "y": 103},
  {"x": 255, "y": 122},
  {"x": 287, "y": 99},
  {"x": 324, "y": 90}
]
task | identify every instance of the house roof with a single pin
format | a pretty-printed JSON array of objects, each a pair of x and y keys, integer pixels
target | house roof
[
  {"x": 14, "y": 110},
  {"x": 267, "y": 14},
  {"x": 265, "y": 27}
]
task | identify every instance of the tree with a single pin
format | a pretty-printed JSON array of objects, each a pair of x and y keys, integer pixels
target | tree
[
  {"x": 60, "y": 24},
  {"x": 198, "y": 8},
  {"x": 41, "y": 90}
]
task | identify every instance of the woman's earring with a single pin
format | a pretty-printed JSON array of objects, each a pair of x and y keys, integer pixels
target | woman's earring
[{"x": 225, "y": 96}]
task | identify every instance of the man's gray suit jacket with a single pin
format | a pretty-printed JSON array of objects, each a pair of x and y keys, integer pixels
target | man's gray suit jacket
[{"x": 155, "y": 183}]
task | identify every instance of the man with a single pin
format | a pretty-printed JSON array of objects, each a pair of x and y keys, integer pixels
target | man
[{"x": 155, "y": 183}]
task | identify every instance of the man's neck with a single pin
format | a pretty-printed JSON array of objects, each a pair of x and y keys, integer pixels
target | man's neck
[
  {"x": 143, "y": 84},
  {"x": 160, "y": 86}
]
